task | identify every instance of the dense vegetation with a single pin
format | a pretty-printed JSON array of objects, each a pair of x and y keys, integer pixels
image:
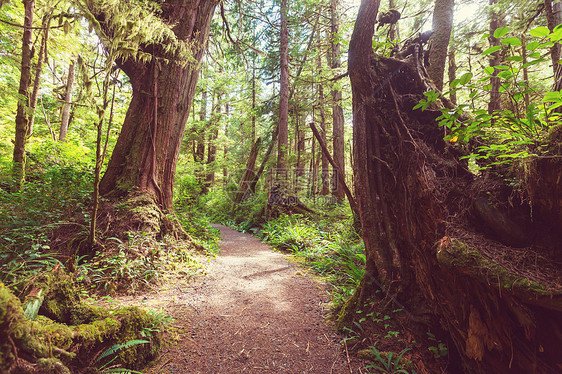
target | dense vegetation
[{"x": 127, "y": 127}]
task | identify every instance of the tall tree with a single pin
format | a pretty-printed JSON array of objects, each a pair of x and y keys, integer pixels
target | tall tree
[
  {"x": 495, "y": 59},
  {"x": 338, "y": 130},
  {"x": 442, "y": 26},
  {"x": 553, "y": 11},
  {"x": 38, "y": 69},
  {"x": 283, "y": 132},
  {"x": 67, "y": 104},
  {"x": 22, "y": 120},
  {"x": 163, "y": 73}
]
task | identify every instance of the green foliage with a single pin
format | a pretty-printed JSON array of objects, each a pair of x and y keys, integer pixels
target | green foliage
[
  {"x": 330, "y": 247},
  {"x": 439, "y": 349},
  {"x": 133, "y": 264},
  {"x": 111, "y": 351},
  {"x": 388, "y": 363},
  {"x": 516, "y": 132}
]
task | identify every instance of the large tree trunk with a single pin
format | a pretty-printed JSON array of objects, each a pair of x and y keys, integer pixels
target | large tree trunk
[
  {"x": 338, "y": 130},
  {"x": 503, "y": 314},
  {"x": 145, "y": 156},
  {"x": 18, "y": 170},
  {"x": 442, "y": 26}
]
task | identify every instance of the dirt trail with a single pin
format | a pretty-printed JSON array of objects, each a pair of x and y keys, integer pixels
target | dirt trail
[{"x": 254, "y": 312}]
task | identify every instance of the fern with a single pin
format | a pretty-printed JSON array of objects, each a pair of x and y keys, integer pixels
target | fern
[{"x": 117, "y": 347}]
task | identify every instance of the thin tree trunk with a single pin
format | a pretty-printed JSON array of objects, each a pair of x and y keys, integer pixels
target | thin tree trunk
[
  {"x": 442, "y": 26},
  {"x": 495, "y": 103},
  {"x": 199, "y": 155},
  {"x": 283, "y": 132},
  {"x": 554, "y": 18},
  {"x": 38, "y": 69},
  {"x": 338, "y": 129},
  {"x": 225, "y": 151},
  {"x": 452, "y": 72},
  {"x": 249, "y": 172},
  {"x": 300, "y": 135},
  {"x": 100, "y": 154},
  {"x": 261, "y": 169},
  {"x": 325, "y": 174},
  {"x": 22, "y": 121},
  {"x": 337, "y": 170},
  {"x": 67, "y": 105},
  {"x": 253, "y": 125},
  {"x": 211, "y": 144}
]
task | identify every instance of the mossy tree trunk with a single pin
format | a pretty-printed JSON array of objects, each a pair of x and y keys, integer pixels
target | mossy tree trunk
[
  {"x": 145, "y": 155},
  {"x": 22, "y": 120},
  {"x": 414, "y": 199}
]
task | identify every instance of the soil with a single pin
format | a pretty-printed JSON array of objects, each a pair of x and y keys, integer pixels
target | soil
[{"x": 253, "y": 312}]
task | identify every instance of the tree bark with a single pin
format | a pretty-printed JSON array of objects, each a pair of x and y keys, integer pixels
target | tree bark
[
  {"x": 554, "y": 18},
  {"x": 414, "y": 198},
  {"x": 67, "y": 105},
  {"x": 337, "y": 170},
  {"x": 249, "y": 173},
  {"x": 283, "y": 132},
  {"x": 325, "y": 173},
  {"x": 38, "y": 69},
  {"x": 452, "y": 73},
  {"x": 145, "y": 156},
  {"x": 338, "y": 130},
  {"x": 22, "y": 120},
  {"x": 442, "y": 26},
  {"x": 495, "y": 59}
]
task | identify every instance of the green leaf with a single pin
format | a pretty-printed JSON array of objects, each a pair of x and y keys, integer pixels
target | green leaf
[
  {"x": 534, "y": 62},
  {"x": 511, "y": 41},
  {"x": 117, "y": 347},
  {"x": 501, "y": 31},
  {"x": 532, "y": 46},
  {"x": 489, "y": 69},
  {"x": 465, "y": 78},
  {"x": 491, "y": 50},
  {"x": 540, "y": 31},
  {"x": 515, "y": 58}
]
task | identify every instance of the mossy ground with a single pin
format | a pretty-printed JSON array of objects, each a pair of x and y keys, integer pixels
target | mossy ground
[{"x": 69, "y": 334}]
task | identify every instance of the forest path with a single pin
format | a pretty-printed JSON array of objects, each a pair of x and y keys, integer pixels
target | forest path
[{"x": 253, "y": 312}]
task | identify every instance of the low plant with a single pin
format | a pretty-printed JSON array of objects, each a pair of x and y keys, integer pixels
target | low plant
[{"x": 388, "y": 363}]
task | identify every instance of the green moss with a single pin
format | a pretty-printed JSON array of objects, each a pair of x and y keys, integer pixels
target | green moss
[
  {"x": 51, "y": 365},
  {"x": 142, "y": 212},
  {"x": 62, "y": 301},
  {"x": 55, "y": 347},
  {"x": 459, "y": 255}
]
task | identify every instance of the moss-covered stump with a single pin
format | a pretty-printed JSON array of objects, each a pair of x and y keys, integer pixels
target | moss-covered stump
[{"x": 68, "y": 335}]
